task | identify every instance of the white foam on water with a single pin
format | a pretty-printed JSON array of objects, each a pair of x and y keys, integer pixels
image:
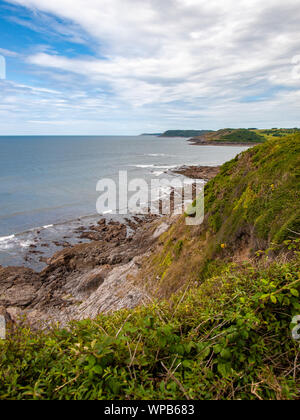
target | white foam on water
[
  {"x": 25, "y": 244},
  {"x": 157, "y": 154},
  {"x": 142, "y": 166},
  {"x": 6, "y": 246},
  {"x": 7, "y": 242},
  {"x": 165, "y": 166},
  {"x": 154, "y": 166},
  {"x": 47, "y": 226},
  {"x": 6, "y": 238}
]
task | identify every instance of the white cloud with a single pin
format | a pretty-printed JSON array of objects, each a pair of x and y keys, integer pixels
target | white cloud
[
  {"x": 8, "y": 53},
  {"x": 215, "y": 61}
]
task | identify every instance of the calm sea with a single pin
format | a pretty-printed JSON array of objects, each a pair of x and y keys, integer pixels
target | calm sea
[{"x": 48, "y": 183}]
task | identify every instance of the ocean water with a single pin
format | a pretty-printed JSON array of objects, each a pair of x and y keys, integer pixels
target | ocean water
[{"x": 48, "y": 184}]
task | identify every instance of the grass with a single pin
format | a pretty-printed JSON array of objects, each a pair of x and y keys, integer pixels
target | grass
[
  {"x": 229, "y": 338},
  {"x": 238, "y": 136},
  {"x": 257, "y": 194},
  {"x": 242, "y": 136},
  {"x": 248, "y": 136},
  {"x": 276, "y": 133},
  {"x": 253, "y": 204}
]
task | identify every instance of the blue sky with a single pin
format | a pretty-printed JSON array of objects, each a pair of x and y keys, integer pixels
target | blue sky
[{"x": 131, "y": 66}]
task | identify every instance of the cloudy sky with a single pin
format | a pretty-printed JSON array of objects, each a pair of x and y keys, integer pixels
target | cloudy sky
[{"x": 132, "y": 66}]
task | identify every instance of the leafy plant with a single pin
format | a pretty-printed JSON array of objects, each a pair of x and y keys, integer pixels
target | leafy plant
[{"x": 229, "y": 338}]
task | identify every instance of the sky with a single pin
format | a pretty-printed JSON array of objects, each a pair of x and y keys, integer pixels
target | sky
[{"x": 116, "y": 67}]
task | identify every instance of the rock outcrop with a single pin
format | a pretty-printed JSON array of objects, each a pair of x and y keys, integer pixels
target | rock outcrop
[
  {"x": 199, "y": 172},
  {"x": 86, "y": 279}
]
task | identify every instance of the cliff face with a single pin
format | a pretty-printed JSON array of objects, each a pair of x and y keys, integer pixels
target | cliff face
[{"x": 251, "y": 205}]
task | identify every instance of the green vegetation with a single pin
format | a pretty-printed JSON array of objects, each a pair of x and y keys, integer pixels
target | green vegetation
[
  {"x": 251, "y": 205},
  {"x": 247, "y": 136},
  {"x": 221, "y": 326},
  {"x": 239, "y": 136},
  {"x": 231, "y": 135},
  {"x": 257, "y": 194},
  {"x": 277, "y": 132},
  {"x": 151, "y": 134},
  {"x": 185, "y": 133},
  {"x": 242, "y": 136},
  {"x": 230, "y": 338}
]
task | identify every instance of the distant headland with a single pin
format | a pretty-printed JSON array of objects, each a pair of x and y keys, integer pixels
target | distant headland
[
  {"x": 228, "y": 136},
  {"x": 179, "y": 133}
]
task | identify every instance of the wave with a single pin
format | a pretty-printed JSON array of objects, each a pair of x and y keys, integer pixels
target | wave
[
  {"x": 7, "y": 242},
  {"x": 165, "y": 166},
  {"x": 6, "y": 238},
  {"x": 25, "y": 244},
  {"x": 156, "y": 154},
  {"x": 159, "y": 155},
  {"x": 155, "y": 166},
  {"x": 37, "y": 229},
  {"x": 142, "y": 166}
]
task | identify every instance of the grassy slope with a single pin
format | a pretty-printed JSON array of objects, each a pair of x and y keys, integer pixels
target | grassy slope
[
  {"x": 247, "y": 136},
  {"x": 251, "y": 204},
  {"x": 276, "y": 133},
  {"x": 228, "y": 336},
  {"x": 238, "y": 136}
]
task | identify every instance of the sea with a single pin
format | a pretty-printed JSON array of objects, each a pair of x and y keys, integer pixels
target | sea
[{"x": 48, "y": 184}]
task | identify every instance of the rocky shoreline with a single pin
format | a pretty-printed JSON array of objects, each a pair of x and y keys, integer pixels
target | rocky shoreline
[
  {"x": 83, "y": 280},
  {"x": 198, "y": 172}
]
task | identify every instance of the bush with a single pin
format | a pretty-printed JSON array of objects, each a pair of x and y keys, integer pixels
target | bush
[{"x": 230, "y": 338}]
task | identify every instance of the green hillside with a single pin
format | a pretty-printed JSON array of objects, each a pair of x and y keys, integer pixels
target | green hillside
[
  {"x": 241, "y": 136},
  {"x": 248, "y": 136},
  {"x": 251, "y": 205},
  {"x": 184, "y": 133},
  {"x": 238, "y": 136}
]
